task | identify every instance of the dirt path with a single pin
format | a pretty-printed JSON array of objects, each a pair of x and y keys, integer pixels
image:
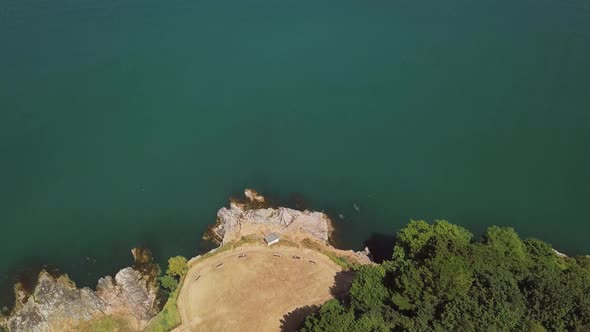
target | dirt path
[{"x": 253, "y": 292}]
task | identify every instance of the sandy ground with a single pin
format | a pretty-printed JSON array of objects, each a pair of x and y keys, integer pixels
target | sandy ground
[{"x": 255, "y": 292}]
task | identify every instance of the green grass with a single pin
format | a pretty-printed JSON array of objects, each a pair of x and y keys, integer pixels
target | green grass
[
  {"x": 104, "y": 324},
  {"x": 168, "y": 318},
  {"x": 248, "y": 239},
  {"x": 284, "y": 242},
  {"x": 345, "y": 262},
  {"x": 219, "y": 250}
]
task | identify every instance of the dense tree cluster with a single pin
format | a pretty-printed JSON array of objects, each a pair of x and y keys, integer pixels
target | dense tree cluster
[
  {"x": 177, "y": 268},
  {"x": 441, "y": 279}
]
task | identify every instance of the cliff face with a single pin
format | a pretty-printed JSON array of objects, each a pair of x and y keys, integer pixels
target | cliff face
[
  {"x": 56, "y": 304},
  {"x": 254, "y": 216},
  {"x": 232, "y": 220}
]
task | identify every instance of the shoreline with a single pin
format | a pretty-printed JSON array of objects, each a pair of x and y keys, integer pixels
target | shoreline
[
  {"x": 303, "y": 224},
  {"x": 244, "y": 223}
]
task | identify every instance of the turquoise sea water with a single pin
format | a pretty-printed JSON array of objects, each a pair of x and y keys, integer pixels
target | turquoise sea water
[{"x": 126, "y": 123}]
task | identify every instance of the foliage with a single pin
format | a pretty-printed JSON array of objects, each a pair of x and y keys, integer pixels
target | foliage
[
  {"x": 168, "y": 282},
  {"x": 168, "y": 318},
  {"x": 223, "y": 248},
  {"x": 441, "y": 279},
  {"x": 344, "y": 262},
  {"x": 286, "y": 242},
  {"x": 367, "y": 290},
  {"x": 331, "y": 317},
  {"x": 177, "y": 266},
  {"x": 248, "y": 239}
]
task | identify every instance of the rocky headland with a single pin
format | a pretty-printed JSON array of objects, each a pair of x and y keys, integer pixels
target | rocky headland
[
  {"x": 56, "y": 304},
  {"x": 233, "y": 221},
  {"x": 254, "y": 215}
]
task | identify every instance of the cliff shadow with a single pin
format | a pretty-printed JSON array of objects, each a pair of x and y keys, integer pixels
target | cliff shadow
[
  {"x": 381, "y": 246},
  {"x": 342, "y": 282},
  {"x": 293, "y": 321}
]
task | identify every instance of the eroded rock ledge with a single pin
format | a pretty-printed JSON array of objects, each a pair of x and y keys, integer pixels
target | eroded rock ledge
[
  {"x": 241, "y": 214},
  {"x": 56, "y": 304},
  {"x": 254, "y": 215}
]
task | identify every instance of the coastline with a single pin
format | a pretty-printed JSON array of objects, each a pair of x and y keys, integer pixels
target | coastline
[
  {"x": 241, "y": 226},
  {"x": 293, "y": 225}
]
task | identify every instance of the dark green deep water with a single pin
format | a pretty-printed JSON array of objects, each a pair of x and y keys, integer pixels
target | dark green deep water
[{"x": 126, "y": 123}]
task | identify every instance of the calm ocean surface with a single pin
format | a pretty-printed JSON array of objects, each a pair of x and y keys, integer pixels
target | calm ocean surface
[{"x": 126, "y": 123}]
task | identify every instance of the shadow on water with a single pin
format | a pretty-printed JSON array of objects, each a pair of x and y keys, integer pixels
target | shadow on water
[{"x": 381, "y": 246}]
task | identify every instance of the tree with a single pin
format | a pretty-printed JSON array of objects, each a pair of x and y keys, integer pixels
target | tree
[
  {"x": 177, "y": 269},
  {"x": 508, "y": 247},
  {"x": 367, "y": 290},
  {"x": 440, "y": 279},
  {"x": 332, "y": 317},
  {"x": 169, "y": 282},
  {"x": 412, "y": 239},
  {"x": 177, "y": 266}
]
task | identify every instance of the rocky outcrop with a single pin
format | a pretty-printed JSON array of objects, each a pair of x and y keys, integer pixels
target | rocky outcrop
[
  {"x": 254, "y": 196},
  {"x": 231, "y": 220},
  {"x": 253, "y": 215},
  {"x": 56, "y": 304},
  {"x": 129, "y": 293}
]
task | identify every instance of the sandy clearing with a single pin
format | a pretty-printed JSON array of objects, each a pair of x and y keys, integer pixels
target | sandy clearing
[{"x": 254, "y": 293}]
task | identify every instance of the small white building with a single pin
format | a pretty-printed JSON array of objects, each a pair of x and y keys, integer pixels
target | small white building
[{"x": 271, "y": 239}]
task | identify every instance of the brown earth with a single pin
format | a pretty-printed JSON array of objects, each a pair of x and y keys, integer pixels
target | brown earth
[{"x": 256, "y": 292}]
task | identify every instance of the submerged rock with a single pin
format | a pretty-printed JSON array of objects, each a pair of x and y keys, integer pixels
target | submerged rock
[{"x": 56, "y": 304}]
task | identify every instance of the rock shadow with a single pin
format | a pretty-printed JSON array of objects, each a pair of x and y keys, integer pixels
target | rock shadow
[
  {"x": 293, "y": 321},
  {"x": 381, "y": 246}
]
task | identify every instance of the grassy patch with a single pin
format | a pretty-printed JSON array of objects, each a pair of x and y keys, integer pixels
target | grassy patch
[
  {"x": 104, "y": 324},
  {"x": 219, "y": 250},
  {"x": 346, "y": 263},
  {"x": 168, "y": 318},
  {"x": 248, "y": 239},
  {"x": 284, "y": 242}
]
